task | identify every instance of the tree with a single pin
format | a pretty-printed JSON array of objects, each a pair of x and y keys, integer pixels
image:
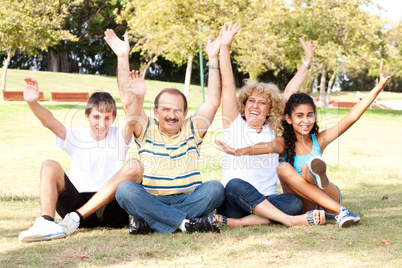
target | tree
[
  {"x": 87, "y": 19},
  {"x": 259, "y": 46},
  {"x": 31, "y": 26},
  {"x": 391, "y": 51},
  {"x": 344, "y": 33},
  {"x": 170, "y": 28}
]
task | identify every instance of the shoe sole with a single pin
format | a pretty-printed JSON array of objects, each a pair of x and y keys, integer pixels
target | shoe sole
[
  {"x": 349, "y": 222},
  {"x": 318, "y": 168},
  {"x": 37, "y": 238}
]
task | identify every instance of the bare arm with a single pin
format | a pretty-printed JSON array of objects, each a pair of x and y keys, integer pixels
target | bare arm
[
  {"x": 327, "y": 136},
  {"x": 31, "y": 95},
  {"x": 205, "y": 114},
  {"x": 297, "y": 81},
  {"x": 121, "y": 49},
  {"x": 229, "y": 102},
  {"x": 275, "y": 146},
  {"x": 135, "y": 114}
]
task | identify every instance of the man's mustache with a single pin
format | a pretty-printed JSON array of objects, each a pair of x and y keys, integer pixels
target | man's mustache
[{"x": 173, "y": 120}]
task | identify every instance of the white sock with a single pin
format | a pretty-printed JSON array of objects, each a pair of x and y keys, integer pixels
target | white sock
[
  {"x": 183, "y": 225},
  {"x": 75, "y": 216}
]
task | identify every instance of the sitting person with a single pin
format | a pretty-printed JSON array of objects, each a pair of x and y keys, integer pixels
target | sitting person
[
  {"x": 86, "y": 197},
  {"x": 250, "y": 180},
  {"x": 171, "y": 195},
  {"x": 303, "y": 171}
]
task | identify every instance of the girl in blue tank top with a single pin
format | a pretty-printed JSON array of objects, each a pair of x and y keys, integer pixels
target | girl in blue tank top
[{"x": 303, "y": 171}]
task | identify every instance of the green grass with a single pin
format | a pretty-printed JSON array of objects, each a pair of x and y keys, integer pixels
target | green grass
[
  {"x": 365, "y": 163},
  {"x": 65, "y": 82}
]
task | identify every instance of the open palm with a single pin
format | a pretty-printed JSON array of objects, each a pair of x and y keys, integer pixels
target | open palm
[
  {"x": 229, "y": 33},
  {"x": 120, "y": 48},
  {"x": 383, "y": 76},
  {"x": 213, "y": 47},
  {"x": 136, "y": 84},
  {"x": 31, "y": 90}
]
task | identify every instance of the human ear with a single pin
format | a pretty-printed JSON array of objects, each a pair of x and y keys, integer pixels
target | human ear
[{"x": 288, "y": 119}]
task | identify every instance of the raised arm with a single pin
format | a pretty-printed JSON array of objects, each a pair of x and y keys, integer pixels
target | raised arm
[
  {"x": 297, "y": 81},
  {"x": 229, "y": 102},
  {"x": 205, "y": 114},
  {"x": 327, "y": 136},
  {"x": 121, "y": 49},
  {"x": 136, "y": 117},
  {"x": 31, "y": 96}
]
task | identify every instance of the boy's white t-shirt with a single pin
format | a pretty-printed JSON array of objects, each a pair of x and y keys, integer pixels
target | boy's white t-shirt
[
  {"x": 258, "y": 170},
  {"x": 93, "y": 162}
]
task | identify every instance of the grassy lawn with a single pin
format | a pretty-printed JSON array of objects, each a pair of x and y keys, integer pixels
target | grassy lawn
[{"x": 365, "y": 163}]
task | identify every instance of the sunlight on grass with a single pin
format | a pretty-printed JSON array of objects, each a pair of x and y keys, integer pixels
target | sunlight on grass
[{"x": 364, "y": 163}]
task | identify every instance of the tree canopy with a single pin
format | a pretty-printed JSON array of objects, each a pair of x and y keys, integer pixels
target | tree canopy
[
  {"x": 31, "y": 26},
  {"x": 350, "y": 39}
]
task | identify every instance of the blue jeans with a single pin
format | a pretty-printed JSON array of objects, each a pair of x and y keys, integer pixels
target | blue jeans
[
  {"x": 164, "y": 214},
  {"x": 242, "y": 198}
]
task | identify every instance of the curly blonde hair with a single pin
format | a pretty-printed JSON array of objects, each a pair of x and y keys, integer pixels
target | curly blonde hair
[{"x": 271, "y": 93}]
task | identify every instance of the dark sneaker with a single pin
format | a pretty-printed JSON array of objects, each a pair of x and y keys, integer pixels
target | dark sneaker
[
  {"x": 139, "y": 226},
  {"x": 204, "y": 224}
]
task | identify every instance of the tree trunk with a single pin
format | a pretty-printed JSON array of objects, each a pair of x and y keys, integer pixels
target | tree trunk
[
  {"x": 10, "y": 54},
  {"x": 52, "y": 61},
  {"x": 188, "y": 76},
  {"x": 322, "y": 87},
  {"x": 64, "y": 62},
  {"x": 330, "y": 84},
  {"x": 149, "y": 64}
]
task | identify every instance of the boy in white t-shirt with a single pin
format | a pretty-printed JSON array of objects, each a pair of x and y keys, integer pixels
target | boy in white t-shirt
[{"x": 87, "y": 198}]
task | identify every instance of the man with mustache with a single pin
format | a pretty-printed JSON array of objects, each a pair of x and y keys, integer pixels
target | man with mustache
[{"x": 171, "y": 195}]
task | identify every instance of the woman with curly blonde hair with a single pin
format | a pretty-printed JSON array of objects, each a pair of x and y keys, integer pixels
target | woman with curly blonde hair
[
  {"x": 254, "y": 117},
  {"x": 270, "y": 92}
]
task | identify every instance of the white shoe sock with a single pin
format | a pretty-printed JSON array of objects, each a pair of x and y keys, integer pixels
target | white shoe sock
[
  {"x": 183, "y": 226},
  {"x": 75, "y": 216}
]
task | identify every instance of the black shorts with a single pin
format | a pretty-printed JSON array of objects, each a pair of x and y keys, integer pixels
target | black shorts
[{"x": 111, "y": 215}]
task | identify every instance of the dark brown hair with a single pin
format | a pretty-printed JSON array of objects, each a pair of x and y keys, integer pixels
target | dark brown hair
[
  {"x": 102, "y": 101},
  {"x": 173, "y": 91}
]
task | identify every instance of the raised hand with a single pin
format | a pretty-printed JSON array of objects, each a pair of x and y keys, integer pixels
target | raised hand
[
  {"x": 136, "y": 84},
  {"x": 308, "y": 51},
  {"x": 213, "y": 47},
  {"x": 120, "y": 48},
  {"x": 31, "y": 90},
  {"x": 383, "y": 76},
  {"x": 229, "y": 33}
]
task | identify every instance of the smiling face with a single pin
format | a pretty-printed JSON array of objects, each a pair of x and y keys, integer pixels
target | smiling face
[
  {"x": 99, "y": 123},
  {"x": 170, "y": 113},
  {"x": 256, "y": 110},
  {"x": 302, "y": 119}
]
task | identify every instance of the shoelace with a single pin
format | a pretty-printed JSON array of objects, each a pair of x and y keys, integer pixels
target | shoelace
[{"x": 343, "y": 213}]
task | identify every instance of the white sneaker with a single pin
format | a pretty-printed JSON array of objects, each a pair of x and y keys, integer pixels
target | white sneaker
[
  {"x": 70, "y": 223},
  {"x": 42, "y": 230}
]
